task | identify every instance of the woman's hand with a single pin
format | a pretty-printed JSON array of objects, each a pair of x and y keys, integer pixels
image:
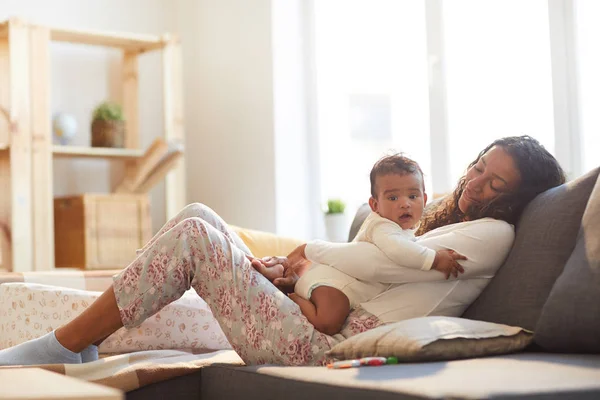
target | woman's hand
[
  {"x": 283, "y": 272},
  {"x": 296, "y": 265}
]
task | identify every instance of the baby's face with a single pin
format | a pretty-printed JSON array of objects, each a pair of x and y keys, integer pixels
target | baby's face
[{"x": 400, "y": 198}]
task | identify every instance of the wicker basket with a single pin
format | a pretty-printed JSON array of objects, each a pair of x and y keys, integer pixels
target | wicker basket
[{"x": 108, "y": 133}]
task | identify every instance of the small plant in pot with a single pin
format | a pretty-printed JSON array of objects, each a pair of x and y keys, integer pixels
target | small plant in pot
[
  {"x": 336, "y": 221},
  {"x": 108, "y": 125}
]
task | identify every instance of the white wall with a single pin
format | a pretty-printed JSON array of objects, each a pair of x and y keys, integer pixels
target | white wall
[
  {"x": 245, "y": 111},
  {"x": 83, "y": 76},
  {"x": 240, "y": 139}
]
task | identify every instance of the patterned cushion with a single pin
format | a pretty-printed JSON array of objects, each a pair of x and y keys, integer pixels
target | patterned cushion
[
  {"x": 570, "y": 320},
  {"x": 29, "y": 310},
  {"x": 545, "y": 238}
]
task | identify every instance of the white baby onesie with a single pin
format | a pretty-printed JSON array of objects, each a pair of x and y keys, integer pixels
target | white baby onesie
[{"x": 396, "y": 243}]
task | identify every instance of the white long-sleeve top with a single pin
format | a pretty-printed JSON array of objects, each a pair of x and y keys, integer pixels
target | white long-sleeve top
[
  {"x": 415, "y": 293},
  {"x": 396, "y": 243}
]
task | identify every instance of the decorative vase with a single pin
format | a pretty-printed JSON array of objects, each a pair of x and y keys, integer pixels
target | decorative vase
[
  {"x": 108, "y": 133},
  {"x": 336, "y": 227}
]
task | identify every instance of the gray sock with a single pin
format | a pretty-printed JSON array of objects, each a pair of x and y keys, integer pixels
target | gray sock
[
  {"x": 43, "y": 350},
  {"x": 89, "y": 354}
]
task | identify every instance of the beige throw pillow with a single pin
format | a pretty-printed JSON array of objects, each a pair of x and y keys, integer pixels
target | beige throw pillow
[{"x": 434, "y": 338}]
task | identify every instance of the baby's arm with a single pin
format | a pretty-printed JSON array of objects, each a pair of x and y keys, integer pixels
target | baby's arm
[
  {"x": 485, "y": 243},
  {"x": 327, "y": 309},
  {"x": 398, "y": 247},
  {"x": 307, "y": 308}
]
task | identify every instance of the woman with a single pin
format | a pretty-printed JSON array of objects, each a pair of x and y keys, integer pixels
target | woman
[{"x": 196, "y": 249}]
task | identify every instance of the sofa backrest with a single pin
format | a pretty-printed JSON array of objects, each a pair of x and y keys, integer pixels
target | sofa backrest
[
  {"x": 361, "y": 214},
  {"x": 545, "y": 237}
]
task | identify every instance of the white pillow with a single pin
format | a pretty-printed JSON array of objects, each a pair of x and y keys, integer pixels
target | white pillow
[
  {"x": 434, "y": 338},
  {"x": 29, "y": 310}
]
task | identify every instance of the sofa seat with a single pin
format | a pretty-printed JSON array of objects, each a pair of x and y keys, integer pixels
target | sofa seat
[
  {"x": 521, "y": 375},
  {"x": 515, "y": 376}
]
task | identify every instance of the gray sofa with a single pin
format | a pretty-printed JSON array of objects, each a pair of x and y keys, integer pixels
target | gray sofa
[{"x": 550, "y": 283}]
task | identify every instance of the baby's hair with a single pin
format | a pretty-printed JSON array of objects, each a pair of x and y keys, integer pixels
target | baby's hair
[{"x": 394, "y": 164}]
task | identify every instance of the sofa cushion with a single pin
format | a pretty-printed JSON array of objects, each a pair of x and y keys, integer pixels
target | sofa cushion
[
  {"x": 545, "y": 237},
  {"x": 570, "y": 320},
  {"x": 263, "y": 244},
  {"x": 434, "y": 339}
]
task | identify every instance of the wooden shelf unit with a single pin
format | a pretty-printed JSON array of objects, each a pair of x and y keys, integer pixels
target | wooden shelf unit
[{"x": 26, "y": 149}]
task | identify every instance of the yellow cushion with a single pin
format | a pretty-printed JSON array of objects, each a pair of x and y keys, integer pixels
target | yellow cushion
[{"x": 263, "y": 244}]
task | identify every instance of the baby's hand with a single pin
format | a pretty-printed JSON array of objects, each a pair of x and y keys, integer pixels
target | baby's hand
[
  {"x": 446, "y": 262},
  {"x": 270, "y": 267}
]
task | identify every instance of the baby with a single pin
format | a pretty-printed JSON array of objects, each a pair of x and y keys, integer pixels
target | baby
[{"x": 326, "y": 295}]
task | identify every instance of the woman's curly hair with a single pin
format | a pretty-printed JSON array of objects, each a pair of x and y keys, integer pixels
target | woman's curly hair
[{"x": 539, "y": 172}]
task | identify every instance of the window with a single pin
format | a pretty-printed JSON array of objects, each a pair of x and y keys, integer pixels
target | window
[
  {"x": 372, "y": 93},
  {"x": 498, "y": 75},
  {"x": 493, "y": 68},
  {"x": 587, "y": 32}
]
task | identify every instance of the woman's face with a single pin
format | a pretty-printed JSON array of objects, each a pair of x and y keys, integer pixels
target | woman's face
[{"x": 494, "y": 174}]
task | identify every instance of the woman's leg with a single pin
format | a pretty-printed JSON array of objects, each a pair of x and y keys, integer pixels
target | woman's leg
[
  {"x": 261, "y": 323},
  {"x": 205, "y": 213},
  {"x": 192, "y": 210}
]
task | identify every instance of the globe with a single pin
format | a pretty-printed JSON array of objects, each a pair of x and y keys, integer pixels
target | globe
[{"x": 64, "y": 127}]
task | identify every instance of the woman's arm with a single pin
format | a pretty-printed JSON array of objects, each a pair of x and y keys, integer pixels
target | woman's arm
[{"x": 484, "y": 242}]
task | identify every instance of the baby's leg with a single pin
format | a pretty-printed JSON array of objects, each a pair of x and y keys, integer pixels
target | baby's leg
[{"x": 327, "y": 309}]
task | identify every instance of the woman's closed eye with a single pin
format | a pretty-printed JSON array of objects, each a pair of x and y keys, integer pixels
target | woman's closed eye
[
  {"x": 497, "y": 190},
  {"x": 480, "y": 171}
]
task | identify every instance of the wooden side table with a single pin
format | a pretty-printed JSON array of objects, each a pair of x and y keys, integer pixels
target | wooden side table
[{"x": 37, "y": 383}]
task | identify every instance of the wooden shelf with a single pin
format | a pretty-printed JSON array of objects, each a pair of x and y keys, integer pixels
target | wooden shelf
[
  {"x": 126, "y": 41},
  {"x": 27, "y": 150},
  {"x": 132, "y": 42},
  {"x": 95, "y": 152}
]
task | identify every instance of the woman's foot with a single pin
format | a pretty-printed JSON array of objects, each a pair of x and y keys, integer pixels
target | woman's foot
[{"x": 43, "y": 350}]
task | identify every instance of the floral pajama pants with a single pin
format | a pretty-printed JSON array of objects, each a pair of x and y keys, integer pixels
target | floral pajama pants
[{"x": 197, "y": 250}]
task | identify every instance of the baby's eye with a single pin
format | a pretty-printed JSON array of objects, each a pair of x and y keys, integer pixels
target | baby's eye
[
  {"x": 412, "y": 197},
  {"x": 393, "y": 198}
]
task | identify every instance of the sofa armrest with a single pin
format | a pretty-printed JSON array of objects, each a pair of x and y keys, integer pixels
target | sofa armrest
[{"x": 263, "y": 244}]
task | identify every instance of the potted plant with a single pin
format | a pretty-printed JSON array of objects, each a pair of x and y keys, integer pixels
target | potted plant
[
  {"x": 108, "y": 125},
  {"x": 336, "y": 221}
]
